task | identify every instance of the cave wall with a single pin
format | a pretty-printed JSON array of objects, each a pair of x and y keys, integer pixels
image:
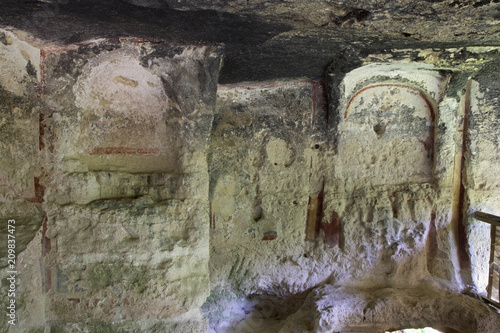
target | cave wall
[
  {"x": 379, "y": 154},
  {"x": 151, "y": 198},
  {"x": 123, "y": 187},
  {"x": 354, "y": 192}
]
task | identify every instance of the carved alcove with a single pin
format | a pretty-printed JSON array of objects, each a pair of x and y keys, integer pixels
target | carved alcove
[
  {"x": 125, "y": 120},
  {"x": 387, "y": 131},
  {"x": 387, "y": 151}
]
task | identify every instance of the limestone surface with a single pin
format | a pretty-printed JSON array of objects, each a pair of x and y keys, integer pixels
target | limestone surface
[{"x": 248, "y": 166}]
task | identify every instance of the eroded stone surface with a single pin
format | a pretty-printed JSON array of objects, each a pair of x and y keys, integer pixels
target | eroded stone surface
[
  {"x": 346, "y": 310},
  {"x": 20, "y": 64},
  {"x": 170, "y": 203},
  {"x": 123, "y": 187}
]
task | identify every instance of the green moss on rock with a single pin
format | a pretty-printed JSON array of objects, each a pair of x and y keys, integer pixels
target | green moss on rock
[
  {"x": 105, "y": 275},
  {"x": 138, "y": 279}
]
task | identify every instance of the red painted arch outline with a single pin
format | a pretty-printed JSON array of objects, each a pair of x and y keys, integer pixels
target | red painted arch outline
[{"x": 420, "y": 93}]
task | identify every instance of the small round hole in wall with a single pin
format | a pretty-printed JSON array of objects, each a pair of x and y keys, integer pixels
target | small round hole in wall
[{"x": 379, "y": 128}]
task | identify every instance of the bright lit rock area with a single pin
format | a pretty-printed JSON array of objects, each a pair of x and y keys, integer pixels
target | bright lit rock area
[{"x": 249, "y": 166}]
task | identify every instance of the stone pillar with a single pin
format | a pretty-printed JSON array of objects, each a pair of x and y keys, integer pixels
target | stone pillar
[
  {"x": 482, "y": 167},
  {"x": 21, "y": 189},
  {"x": 123, "y": 132}
]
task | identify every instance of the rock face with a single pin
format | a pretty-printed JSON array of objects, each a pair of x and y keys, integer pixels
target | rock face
[
  {"x": 120, "y": 180},
  {"x": 366, "y": 194},
  {"x": 156, "y": 189},
  {"x": 385, "y": 309}
]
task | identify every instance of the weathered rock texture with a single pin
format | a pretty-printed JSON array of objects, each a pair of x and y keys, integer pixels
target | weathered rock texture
[
  {"x": 377, "y": 169},
  {"x": 156, "y": 189},
  {"x": 123, "y": 183}
]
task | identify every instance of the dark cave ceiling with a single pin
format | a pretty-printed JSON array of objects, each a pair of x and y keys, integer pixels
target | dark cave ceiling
[{"x": 266, "y": 39}]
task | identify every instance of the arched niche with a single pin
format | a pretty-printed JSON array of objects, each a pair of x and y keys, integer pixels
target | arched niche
[
  {"x": 387, "y": 124},
  {"x": 387, "y": 135},
  {"x": 125, "y": 120}
]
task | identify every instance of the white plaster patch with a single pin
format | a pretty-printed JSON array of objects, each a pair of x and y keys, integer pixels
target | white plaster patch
[
  {"x": 117, "y": 82},
  {"x": 15, "y": 57}
]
